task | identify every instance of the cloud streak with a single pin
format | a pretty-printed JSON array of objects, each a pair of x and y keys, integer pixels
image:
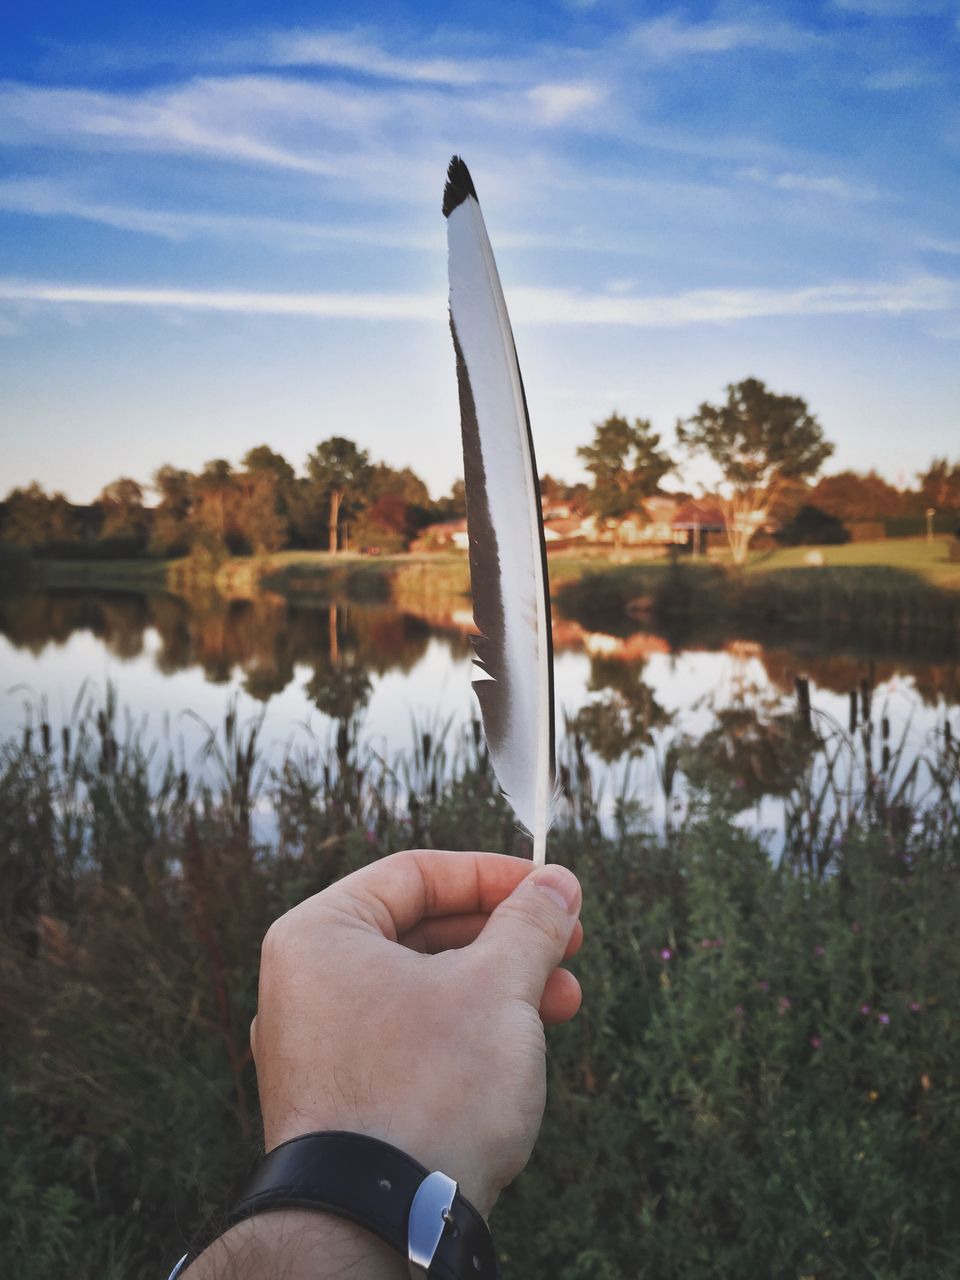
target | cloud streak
[
  {"x": 814, "y": 184},
  {"x": 353, "y": 51},
  {"x": 670, "y": 36},
  {"x": 534, "y": 306}
]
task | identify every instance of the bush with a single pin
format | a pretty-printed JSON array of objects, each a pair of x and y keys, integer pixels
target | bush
[
  {"x": 762, "y": 1081},
  {"x": 813, "y": 527}
]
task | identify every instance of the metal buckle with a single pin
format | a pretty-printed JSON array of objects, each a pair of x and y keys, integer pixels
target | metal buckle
[
  {"x": 177, "y": 1269},
  {"x": 429, "y": 1215}
]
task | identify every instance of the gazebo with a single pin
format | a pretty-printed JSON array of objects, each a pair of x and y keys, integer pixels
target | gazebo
[{"x": 699, "y": 518}]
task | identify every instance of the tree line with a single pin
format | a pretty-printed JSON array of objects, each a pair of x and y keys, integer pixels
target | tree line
[
  {"x": 767, "y": 450},
  {"x": 342, "y": 498}
]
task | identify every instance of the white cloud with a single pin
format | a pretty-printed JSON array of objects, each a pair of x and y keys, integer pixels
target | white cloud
[
  {"x": 556, "y": 103},
  {"x": 893, "y": 8},
  {"x": 195, "y": 119},
  {"x": 823, "y": 185},
  {"x": 527, "y": 305},
  {"x": 45, "y": 198},
  {"x": 353, "y": 51},
  {"x": 938, "y": 246},
  {"x": 672, "y": 37},
  {"x": 895, "y": 79},
  {"x": 363, "y": 306}
]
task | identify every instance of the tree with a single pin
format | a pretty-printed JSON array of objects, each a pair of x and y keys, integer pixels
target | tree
[
  {"x": 627, "y": 466},
  {"x": 848, "y": 495},
  {"x": 386, "y": 482},
  {"x": 33, "y": 519},
  {"x": 811, "y": 526},
  {"x": 259, "y": 518},
  {"x": 171, "y": 533},
  {"x": 940, "y": 485},
  {"x": 264, "y": 459},
  {"x": 452, "y": 507},
  {"x": 123, "y": 515},
  {"x": 759, "y": 441},
  {"x": 338, "y": 473},
  {"x": 212, "y": 519}
]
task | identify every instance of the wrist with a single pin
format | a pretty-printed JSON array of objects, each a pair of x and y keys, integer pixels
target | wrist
[
  {"x": 420, "y": 1144},
  {"x": 413, "y": 1213},
  {"x": 297, "y": 1243}
]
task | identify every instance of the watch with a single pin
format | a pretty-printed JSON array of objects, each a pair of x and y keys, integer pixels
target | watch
[{"x": 376, "y": 1186}]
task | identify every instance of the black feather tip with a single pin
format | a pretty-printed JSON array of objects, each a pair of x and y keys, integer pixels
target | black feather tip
[{"x": 459, "y": 186}]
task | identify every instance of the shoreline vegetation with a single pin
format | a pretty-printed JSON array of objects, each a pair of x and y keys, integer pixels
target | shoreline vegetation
[
  {"x": 763, "y": 1079},
  {"x": 885, "y": 595}
]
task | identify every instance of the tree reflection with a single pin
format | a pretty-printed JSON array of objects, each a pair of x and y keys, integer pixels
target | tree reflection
[
  {"x": 752, "y": 751},
  {"x": 340, "y": 686},
  {"x": 622, "y": 719},
  {"x": 262, "y": 638}
]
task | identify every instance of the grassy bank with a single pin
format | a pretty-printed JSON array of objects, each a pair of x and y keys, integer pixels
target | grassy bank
[
  {"x": 892, "y": 597},
  {"x": 763, "y": 1080},
  {"x": 927, "y": 560},
  {"x": 875, "y": 608}
]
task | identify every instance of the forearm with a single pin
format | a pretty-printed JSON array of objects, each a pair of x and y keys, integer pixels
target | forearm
[{"x": 297, "y": 1244}]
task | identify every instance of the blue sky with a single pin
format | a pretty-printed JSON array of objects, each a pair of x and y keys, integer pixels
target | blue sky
[{"x": 220, "y": 224}]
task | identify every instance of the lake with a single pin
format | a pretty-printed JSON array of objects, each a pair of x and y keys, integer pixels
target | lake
[{"x": 628, "y": 706}]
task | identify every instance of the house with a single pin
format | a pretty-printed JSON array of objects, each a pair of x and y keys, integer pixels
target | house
[{"x": 695, "y": 519}]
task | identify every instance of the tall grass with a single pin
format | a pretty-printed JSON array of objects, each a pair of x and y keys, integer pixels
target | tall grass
[
  {"x": 877, "y": 608},
  {"x": 763, "y": 1080}
]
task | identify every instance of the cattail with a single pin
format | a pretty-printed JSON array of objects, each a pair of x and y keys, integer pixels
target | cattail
[
  {"x": 853, "y": 710},
  {"x": 802, "y": 685}
]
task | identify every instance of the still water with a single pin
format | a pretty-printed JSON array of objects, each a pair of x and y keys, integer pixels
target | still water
[{"x": 628, "y": 702}]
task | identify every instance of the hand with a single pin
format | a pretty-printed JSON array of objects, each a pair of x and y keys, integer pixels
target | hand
[{"x": 407, "y": 1002}]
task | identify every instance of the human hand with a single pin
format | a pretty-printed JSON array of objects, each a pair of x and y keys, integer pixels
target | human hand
[{"x": 407, "y": 1001}]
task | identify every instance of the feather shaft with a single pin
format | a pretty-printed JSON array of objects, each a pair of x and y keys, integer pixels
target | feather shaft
[{"x": 508, "y": 569}]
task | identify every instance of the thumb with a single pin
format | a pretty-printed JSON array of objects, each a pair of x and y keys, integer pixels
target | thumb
[{"x": 528, "y": 932}]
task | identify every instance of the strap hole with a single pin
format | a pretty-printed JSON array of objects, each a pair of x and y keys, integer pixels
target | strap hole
[
  {"x": 385, "y": 1184},
  {"x": 477, "y": 1264}
]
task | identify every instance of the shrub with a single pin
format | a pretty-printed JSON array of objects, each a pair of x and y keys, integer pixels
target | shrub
[
  {"x": 811, "y": 526},
  {"x": 762, "y": 1081}
]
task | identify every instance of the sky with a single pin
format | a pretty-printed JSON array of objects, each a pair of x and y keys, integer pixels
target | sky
[{"x": 220, "y": 224}]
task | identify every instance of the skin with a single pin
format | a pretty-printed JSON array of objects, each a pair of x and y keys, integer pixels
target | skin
[{"x": 407, "y": 1002}]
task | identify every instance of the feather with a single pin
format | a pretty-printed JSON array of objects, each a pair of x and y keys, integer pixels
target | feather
[{"x": 508, "y": 562}]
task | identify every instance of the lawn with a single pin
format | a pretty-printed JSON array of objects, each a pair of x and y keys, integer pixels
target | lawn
[{"x": 930, "y": 560}]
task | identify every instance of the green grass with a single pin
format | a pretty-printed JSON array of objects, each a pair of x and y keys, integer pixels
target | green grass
[
  {"x": 928, "y": 560},
  {"x": 763, "y": 1080},
  {"x": 131, "y": 575}
]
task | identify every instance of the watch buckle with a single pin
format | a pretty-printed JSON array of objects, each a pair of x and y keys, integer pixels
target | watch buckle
[{"x": 430, "y": 1214}]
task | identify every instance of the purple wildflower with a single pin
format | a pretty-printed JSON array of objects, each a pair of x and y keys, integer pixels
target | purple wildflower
[
  {"x": 764, "y": 984},
  {"x": 815, "y": 1042},
  {"x": 883, "y": 1019},
  {"x": 665, "y": 953},
  {"x": 864, "y": 1009},
  {"x": 705, "y": 943},
  {"x": 915, "y": 1006},
  {"x": 783, "y": 1004}
]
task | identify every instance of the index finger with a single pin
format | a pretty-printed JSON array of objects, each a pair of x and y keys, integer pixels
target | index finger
[{"x": 419, "y": 884}]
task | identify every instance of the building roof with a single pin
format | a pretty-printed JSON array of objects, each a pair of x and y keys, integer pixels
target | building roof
[{"x": 705, "y": 514}]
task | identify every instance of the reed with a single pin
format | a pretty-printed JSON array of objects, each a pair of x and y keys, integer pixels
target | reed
[{"x": 762, "y": 1081}]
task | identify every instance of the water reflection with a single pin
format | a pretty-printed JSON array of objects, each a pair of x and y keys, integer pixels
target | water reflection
[
  {"x": 636, "y": 712},
  {"x": 264, "y": 638}
]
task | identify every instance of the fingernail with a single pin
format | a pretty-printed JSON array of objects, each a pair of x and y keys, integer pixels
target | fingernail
[{"x": 559, "y": 884}]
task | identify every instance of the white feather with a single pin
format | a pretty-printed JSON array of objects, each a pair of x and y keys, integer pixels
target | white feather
[{"x": 518, "y": 715}]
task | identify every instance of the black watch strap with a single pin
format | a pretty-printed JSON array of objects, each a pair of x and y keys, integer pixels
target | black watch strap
[{"x": 373, "y": 1185}]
